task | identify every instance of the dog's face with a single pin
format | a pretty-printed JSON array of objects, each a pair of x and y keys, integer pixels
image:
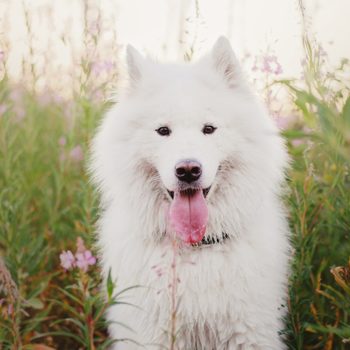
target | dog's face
[
  {"x": 185, "y": 140},
  {"x": 189, "y": 125},
  {"x": 186, "y": 145},
  {"x": 190, "y": 117}
]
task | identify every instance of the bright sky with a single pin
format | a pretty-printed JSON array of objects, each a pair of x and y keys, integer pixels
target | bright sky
[
  {"x": 155, "y": 26},
  {"x": 252, "y": 26}
]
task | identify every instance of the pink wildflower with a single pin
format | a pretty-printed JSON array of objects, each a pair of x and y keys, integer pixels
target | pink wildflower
[
  {"x": 45, "y": 99},
  {"x": 20, "y": 113},
  {"x": 80, "y": 245},
  {"x": 3, "y": 109},
  {"x": 283, "y": 123},
  {"x": 297, "y": 142},
  {"x": 97, "y": 96},
  {"x": 10, "y": 309},
  {"x": 102, "y": 66},
  {"x": 67, "y": 260},
  {"x": 84, "y": 260},
  {"x": 321, "y": 51},
  {"x": 62, "y": 141},
  {"x": 307, "y": 130},
  {"x": 94, "y": 28},
  {"x": 16, "y": 95},
  {"x": 58, "y": 99},
  {"x": 255, "y": 64},
  {"x": 2, "y": 56},
  {"x": 76, "y": 154},
  {"x": 270, "y": 64}
]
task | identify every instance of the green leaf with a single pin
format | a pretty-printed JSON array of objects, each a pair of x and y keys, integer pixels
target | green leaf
[
  {"x": 68, "y": 308},
  {"x": 35, "y": 303},
  {"x": 110, "y": 285},
  {"x": 70, "y": 295},
  {"x": 60, "y": 333},
  {"x": 78, "y": 323},
  {"x": 126, "y": 289},
  {"x": 106, "y": 344},
  {"x": 346, "y": 111},
  {"x": 343, "y": 332}
]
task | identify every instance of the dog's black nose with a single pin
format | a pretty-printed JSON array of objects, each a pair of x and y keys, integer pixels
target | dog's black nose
[{"x": 188, "y": 170}]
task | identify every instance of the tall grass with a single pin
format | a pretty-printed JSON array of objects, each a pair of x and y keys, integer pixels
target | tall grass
[
  {"x": 46, "y": 203},
  {"x": 319, "y": 204}
]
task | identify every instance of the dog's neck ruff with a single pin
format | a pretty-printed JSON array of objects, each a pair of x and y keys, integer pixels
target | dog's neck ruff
[{"x": 212, "y": 240}]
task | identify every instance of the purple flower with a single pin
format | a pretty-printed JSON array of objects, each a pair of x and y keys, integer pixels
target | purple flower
[
  {"x": 16, "y": 95},
  {"x": 84, "y": 260},
  {"x": 283, "y": 123},
  {"x": 99, "y": 67},
  {"x": 321, "y": 51},
  {"x": 94, "y": 28},
  {"x": 76, "y": 154},
  {"x": 45, "y": 99},
  {"x": 307, "y": 130},
  {"x": 10, "y": 309},
  {"x": 80, "y": 245},
  {"x": 20, "y": 113},
  {"x": 58, "y": 99},
  {"x": 270, "y": 64},
  {"x": 297, "y": 142},
  {"x": 67, "y": 260},
  {"x": 3, "y": 109},
  {"x": 62, "y": 141}
]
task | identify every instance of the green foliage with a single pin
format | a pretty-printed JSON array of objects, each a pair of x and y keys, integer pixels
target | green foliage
[
  {"x": 46, "y": 202},
  {"x": 319, "y": 203}
]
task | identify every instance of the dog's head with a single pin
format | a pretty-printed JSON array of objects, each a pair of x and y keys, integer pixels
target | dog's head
[{"x": 192, "y": 132}]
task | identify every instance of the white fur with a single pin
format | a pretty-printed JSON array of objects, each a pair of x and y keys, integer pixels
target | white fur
[{"x": 228, "y": 295}]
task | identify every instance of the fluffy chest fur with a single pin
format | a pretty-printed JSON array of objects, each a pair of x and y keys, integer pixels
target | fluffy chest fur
[{"x": 224, "y": 296}]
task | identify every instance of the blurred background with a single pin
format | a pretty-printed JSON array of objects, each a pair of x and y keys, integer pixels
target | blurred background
[
  {"x": 60, "y": 63},
  {"x": 54, "y": 36}
]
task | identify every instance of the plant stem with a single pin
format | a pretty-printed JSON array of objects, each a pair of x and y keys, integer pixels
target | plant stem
[
  {"x": 91, "y": 329},
  {"x": 174, "y": 281}
]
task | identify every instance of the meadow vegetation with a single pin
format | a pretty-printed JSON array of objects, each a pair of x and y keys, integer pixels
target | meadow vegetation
[{"x": 49, "y": 278}]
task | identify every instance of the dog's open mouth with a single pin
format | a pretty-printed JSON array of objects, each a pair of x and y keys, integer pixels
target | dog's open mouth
[
  {"x": 188, "y": 214},
  {"x": 191, "y": 191}
]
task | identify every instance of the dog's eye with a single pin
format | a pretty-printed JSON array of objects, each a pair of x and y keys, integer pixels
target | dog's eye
[
  {"x": 163, "y": 131},
  {"x": 208, "y": 129}
]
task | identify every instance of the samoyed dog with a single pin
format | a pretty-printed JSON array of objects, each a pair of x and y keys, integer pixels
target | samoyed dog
[{"x": 191, "y": 169}]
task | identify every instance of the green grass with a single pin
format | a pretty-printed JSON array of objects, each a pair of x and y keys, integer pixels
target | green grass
[
  {"x": 46, "y": 202},
  {"x": 319, "y": 204}
]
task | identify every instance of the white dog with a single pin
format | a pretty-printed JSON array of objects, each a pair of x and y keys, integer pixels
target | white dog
[{"x": 191, "y": 170}]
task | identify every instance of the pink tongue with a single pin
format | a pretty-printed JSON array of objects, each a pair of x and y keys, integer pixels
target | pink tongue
[{"x": 188, "y": 216}]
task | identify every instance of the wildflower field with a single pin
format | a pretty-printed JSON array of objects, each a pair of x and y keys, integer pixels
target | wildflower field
[{"x": 50, "y": 294}]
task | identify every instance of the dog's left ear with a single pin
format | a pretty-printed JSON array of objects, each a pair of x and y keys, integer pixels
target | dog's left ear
[
  {"x": 225, "y": 61},
  {"x": 135, "y": 62}
]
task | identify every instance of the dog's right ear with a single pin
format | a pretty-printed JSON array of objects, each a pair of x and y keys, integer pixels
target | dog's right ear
[
  {"x": 225, "y": 61},
  {"x": 134, "y": 61}
]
